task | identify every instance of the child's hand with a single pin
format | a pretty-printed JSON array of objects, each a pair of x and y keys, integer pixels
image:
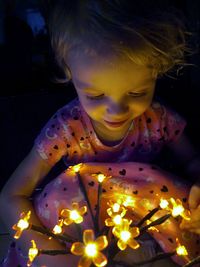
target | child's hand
[{"x": 194, "y": 203}]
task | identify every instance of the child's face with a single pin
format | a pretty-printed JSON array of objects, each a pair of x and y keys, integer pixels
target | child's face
[{"x": 112, "y": 91}]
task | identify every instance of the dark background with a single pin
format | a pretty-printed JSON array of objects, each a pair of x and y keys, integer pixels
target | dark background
[{"x": 29, "y": 95}]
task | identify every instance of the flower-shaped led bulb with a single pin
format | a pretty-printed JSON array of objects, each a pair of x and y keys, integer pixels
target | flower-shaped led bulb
[
  {"x": 100, "y": 177},
  {"x": 164, "y": 203},
  {"x": 125, "y": 200},
  {"x": 76, "y": 168},
  {"x": 181, "y": 250},
  {"x": 32, "y": 253},
  {"x": 90, "y": 250},
  {"x": 115, "y": 208},
  {"x": 128, "y": 201},
  {"x": 175, "y": 207},
  {"x": 126, "y": 235},
  {"x": 74, "y": 215},
  {"x": 22, "y": 224},
  {"x": 58, "y": 227},
  {"x": 116, "y": 213},
  {"x": 178, "y": 209}
]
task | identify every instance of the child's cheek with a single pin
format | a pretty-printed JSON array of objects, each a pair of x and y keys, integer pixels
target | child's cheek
[
  {"x": 95, "y": 110},
  {"x": 139, "y": 106}
]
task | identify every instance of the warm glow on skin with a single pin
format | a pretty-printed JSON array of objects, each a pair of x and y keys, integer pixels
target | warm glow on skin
[{"x": 111, "y": 89}]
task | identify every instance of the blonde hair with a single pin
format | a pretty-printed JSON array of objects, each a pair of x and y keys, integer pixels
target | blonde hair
[{"x": 149, "y": 34}]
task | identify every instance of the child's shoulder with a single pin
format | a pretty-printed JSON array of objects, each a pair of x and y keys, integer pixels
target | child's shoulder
[
  {"x": 70, "y": 110},
  {"x": 70, "y": 113},
  {"x": 164, "y": 121},
  {"x": 164, "y": 111}
]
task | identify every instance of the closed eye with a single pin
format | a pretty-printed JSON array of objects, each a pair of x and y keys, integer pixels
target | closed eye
[
  {"x": 95, "y": 97},
  {"x": 134, "y": 94}
]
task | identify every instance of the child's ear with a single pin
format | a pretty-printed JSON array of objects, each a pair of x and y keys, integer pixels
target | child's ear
[{"x": 67, "y": 72}]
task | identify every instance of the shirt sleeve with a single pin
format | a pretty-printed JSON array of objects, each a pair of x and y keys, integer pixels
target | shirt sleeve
[{"x": 51, "y": 143}]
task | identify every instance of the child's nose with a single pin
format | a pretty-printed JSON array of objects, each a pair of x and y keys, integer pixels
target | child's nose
[{"x": 117, "y": 107}]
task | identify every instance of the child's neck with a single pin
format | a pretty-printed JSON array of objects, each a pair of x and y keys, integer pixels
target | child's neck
[
  {"x": 109, "y": 142},
  {"x": 106, "y": 136}
]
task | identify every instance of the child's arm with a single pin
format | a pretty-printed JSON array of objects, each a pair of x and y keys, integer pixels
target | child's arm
[
  {"x": 190, "y": 159},
  {"x": 14, "y": 199}
]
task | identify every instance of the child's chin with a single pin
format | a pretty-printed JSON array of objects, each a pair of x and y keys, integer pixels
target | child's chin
[{"x": 118, "y": 128}]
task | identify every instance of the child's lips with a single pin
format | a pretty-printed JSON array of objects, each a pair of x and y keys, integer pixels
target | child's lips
[{"x": 115, "y": 123}]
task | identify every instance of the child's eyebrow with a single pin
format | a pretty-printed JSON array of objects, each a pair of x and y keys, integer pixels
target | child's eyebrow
[{"x": 82, "y": 84}]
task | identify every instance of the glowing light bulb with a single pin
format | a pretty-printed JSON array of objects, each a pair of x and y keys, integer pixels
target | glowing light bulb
[
  {"x": 181, "y": 250},
  {"x": 76, "y": 168},
  {"x": 129, "y": 201},
  {"x": 116, "y": 207},
  {"x": 164, "y": 203},
  {"x": 22, "y": 224},
  {"x": 101, "y": 177},
  {"x": 117, "y": 219},
  {"x": 57, "y": 229},
  {"x": 32, "y": 253},
  {"x": 177, "y": 210},
  {"x": 91, "y": 250},
  {"x": 125, "y": 235},
  {"x": 74, "y": 215}
]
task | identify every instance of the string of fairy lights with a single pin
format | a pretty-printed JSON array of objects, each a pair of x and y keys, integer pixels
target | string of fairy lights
[{"x": 118, "y": 233}]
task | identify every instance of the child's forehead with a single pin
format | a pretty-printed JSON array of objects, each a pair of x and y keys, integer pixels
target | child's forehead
[
  {"x": 101, "y": 71},
  {"x": 100, "y": 60}
]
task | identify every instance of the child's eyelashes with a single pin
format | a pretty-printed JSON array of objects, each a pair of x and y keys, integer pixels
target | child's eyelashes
[
  {"x": 132, "y": 94},
  {"x": 95, "y": 97}
]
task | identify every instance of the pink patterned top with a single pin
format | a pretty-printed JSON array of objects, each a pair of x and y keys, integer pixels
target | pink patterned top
[{"x": 70, "y": 134}]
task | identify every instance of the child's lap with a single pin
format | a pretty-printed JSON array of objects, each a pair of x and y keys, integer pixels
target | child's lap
[{"x": 143, "y": 182}]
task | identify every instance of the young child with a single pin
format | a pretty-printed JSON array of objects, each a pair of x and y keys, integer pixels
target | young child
[{"x": 113, "y": 51}]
